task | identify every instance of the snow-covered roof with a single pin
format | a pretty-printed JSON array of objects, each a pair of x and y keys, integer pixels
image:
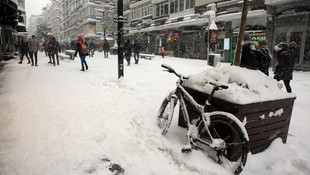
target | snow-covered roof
[
  {"x": 198, "y": 21},
  {"x": 234, "y": 16},
  {"x": 245, "y": 86}
]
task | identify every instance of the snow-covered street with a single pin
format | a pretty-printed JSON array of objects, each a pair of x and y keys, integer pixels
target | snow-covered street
[{"x": 58, "y": 120}]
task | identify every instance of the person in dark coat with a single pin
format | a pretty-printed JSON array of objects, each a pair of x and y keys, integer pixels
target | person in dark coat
[
  {"x": 136, "y": 48},
  {"x": 91, "y": 49},
  {"x": 127, "y": 47},
  {"x": 23, "y": 49},
  {"x": 81, "y": 54},
  {"x": 248, "y": 58},
  {"x": 106, "y": 48},
  {"x": 53, "y": 48},
  {"x": 284, "y": 69},
  {"x": 263, "y": 56}
]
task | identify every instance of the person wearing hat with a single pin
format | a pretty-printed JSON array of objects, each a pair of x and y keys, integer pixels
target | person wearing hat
[
  {"x": 263, "y": 57},
  {"x": 83, "y": 55},
  {"x": 33, "y": 46},
  {"x": 248, "y": 58}
]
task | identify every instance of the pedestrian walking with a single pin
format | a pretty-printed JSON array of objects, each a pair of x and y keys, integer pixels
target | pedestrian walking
[
  {"x": 263, "y": 56},
  {"x": 106, "y": 48},
  {"x": 91, "y": 49},
  {"x": 163, "y": 52},
  {"x": 127, "y": 47},
  {"x": 33, "y": 46},
  {"x": 53, "y": 48},
  {"x": 22, "y": 48},
  {"x": 136, "y": 48},
  {"x": 80, "y": 47},
  {"x": 248, "y": 53},
  {"x": 284, "y": 69}
]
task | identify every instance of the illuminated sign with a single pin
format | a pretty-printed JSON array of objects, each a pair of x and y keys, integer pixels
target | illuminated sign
[{"x": 257, "y": 37}]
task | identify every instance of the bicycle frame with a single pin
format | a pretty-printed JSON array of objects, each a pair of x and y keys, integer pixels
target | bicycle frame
[{"x": 192, "y": 132}]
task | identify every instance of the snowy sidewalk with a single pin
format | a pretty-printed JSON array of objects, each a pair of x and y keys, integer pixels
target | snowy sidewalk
[{"x": 59, "y": 120}]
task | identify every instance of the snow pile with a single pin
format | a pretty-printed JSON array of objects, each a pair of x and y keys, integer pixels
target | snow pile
[{"x": 243, "y": 83}]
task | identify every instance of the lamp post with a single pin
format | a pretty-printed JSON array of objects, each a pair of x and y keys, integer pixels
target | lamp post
[{"x": 120, "y": 20}]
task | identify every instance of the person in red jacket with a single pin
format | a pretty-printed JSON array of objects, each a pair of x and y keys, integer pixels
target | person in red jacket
[{"x": 82, "y": 55}]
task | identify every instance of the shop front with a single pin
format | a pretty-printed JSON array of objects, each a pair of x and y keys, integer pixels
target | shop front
[
  {"x": 254, "y": 36},
  {"x": 295, "y": 28}
]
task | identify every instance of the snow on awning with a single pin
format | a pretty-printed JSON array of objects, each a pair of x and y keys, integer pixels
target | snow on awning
[
  {"x": 21, "y": 9},
  {"x": 21, "y": 24},
  {"x": 197, "y": 22},
  {"x": 15, "y": 1},
  {"x": 237, "y": 16},
  {"x": 91, "y": 36},
  {"x": 90, "y": 20}
]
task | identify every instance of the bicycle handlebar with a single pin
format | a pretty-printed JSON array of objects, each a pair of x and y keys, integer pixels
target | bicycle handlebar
[
  {"x": 171, "y": 70},
  {"x": 218, "y": 87}
]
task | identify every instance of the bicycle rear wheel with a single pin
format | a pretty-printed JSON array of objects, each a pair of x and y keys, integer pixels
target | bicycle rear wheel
[
  {"x": 226, "y": 128},
  {"x": 165, "y": 114}
]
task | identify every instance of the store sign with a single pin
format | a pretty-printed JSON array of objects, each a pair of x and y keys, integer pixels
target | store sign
[
  {"x": 213, "y": 36},
  {"x": 257, "y": 37}
]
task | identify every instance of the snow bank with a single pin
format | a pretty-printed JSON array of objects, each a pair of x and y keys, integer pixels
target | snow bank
[{"x": 245, "y": 86}]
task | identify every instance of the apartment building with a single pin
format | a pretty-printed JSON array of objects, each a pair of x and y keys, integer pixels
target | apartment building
[{"x": 66, "y": 19}]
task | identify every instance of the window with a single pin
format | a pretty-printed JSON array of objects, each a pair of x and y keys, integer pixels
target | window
[
  {"x": 162, "y": 9},
  {"x": 181, "y": 5},
  {"x": 174, "y": 6}
]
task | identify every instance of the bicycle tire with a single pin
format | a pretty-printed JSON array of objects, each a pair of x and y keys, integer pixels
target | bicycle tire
[
  {"x": 165, "y": 114},
  {"x": 225, "y": 127}
]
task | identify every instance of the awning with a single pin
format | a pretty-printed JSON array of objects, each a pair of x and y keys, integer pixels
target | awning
[
  {"x": 237, "y": 16},
  {"x": 92, "y": 36}
]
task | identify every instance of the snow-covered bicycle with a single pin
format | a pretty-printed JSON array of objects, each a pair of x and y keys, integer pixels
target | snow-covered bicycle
[{"x": 218, "y": 133}]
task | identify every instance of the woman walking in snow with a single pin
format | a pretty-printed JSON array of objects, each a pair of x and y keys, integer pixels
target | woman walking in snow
[{"x": 82, "y": 55}]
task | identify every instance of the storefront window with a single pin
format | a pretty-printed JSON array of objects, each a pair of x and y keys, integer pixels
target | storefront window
[
  {"x": 306, "y": 60},
  {"x": 296, "y": 20},
  {"x": 280, "y": 37}
]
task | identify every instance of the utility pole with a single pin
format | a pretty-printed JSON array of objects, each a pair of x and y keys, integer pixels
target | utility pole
[
  {"x": 241, "y": 33},
  {"x": 120, "y": 20}
]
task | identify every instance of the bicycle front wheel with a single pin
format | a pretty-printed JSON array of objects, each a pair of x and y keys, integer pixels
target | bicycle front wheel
[
  {"x": 165, "y": 114},
  {"x": 226, "y": 128}
]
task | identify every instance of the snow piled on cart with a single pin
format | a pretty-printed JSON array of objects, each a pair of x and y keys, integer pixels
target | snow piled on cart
[{"x": 245, "y": 86}]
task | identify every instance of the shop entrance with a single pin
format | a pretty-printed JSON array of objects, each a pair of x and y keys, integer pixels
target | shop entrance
[{"x": 289, "y": 35}]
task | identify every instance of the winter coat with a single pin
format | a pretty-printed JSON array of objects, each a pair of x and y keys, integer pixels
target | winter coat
[
  {"x": 248, "y": 58},
  {"x": 106, "y": 45},
  {"x": 285, "y": 66},
  {"x": 136, "y": 47},
  {"x": 23, "y": 48},
  {"x": 78, "y": 49},
  {"x": 53, "y": 46},
  {"x": 127, "y": 48},
  {"x": 263, "y": 57},
  {"x": 33, "y": 45}
]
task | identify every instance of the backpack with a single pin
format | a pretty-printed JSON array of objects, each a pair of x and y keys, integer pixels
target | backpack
[{"x": 84, "y": 48}]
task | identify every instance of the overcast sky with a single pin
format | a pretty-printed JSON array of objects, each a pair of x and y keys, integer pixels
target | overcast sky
[{"x": 34, "y": 7}]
